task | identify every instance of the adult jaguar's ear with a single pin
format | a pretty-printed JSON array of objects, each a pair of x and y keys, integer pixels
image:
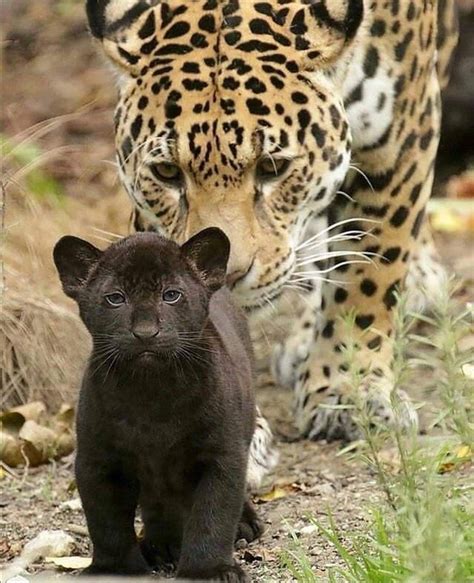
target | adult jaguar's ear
[
  {"x": 323, "y": 29},
  {"x": 74, "y": 259},
  {"x": 124, "y": 27},
  {"x": 208, "y": 252}
]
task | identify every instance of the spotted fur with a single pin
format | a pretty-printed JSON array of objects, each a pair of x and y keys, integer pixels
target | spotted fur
[{"x": 223, "y": 89}]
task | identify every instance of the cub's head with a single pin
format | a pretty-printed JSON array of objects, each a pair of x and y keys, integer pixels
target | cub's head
[
  {"x": 144, "y": 295},
  {"x": 230, "y": 115}
]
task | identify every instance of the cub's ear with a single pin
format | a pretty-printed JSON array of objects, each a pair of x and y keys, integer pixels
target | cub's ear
[
  {"x": 208, "y": 252},
  {"x": 74, "y": 258}
]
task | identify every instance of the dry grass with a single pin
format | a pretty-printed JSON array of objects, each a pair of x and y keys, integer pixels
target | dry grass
[{"x": 44, "y": 344}]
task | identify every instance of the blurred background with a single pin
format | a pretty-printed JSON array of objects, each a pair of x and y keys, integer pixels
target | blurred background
[{"x": 59, "y": 176}]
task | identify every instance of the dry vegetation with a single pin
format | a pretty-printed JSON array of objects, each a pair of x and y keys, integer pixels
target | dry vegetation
[{"x": 45, "y": 343}]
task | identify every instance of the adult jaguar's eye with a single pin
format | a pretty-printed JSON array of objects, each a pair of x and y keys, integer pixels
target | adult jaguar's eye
[
  {"x": 171, "y": 296},
  {"x": 167, "y": 172},
  {"x": 270, "y": 168},
  {"x": 115, "y": 299}
]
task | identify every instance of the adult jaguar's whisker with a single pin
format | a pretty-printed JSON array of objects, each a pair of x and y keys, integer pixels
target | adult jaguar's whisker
[
  {"x": 345, "y": 195},
  {"x": 320, "y": 257},
  {"x": 335, "y": 226},
  {"x": 335, "y": 267},
  {"x": 353, "y": 167},
  {"x": 347, "y": 236}
]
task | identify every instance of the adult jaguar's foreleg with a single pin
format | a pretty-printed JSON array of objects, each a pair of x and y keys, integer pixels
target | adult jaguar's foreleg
[{"x": 389, "y": 198}]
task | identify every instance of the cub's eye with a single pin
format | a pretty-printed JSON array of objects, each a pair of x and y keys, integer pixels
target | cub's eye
[
  {"x": 171, "y": 296},
  {"x": 167, "y": 172},
  {"x": 270, "y": 168},
  {"x": 115, "y": 299}
]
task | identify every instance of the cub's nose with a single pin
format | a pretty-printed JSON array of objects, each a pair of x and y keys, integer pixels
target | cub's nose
[{"x": 145, "y": 331}]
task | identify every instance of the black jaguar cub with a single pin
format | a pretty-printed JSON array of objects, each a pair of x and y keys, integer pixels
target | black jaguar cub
[{"x": 166, "y": 410}]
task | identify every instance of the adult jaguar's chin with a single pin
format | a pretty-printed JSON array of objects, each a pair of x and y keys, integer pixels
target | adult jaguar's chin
[
  {"x": 264, "y": 306},
  {"x": 259, "y": 297}
]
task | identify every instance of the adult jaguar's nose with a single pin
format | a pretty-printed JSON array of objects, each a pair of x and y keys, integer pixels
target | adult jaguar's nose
[{"x": 145, "y": 331}]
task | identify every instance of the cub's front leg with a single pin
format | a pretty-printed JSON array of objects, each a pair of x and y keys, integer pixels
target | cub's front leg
[
  {"x": 211, "y": 528},
  {"x": 109, "y": 498}
]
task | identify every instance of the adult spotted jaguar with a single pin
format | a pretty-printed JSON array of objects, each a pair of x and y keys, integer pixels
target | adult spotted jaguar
[{"x": 263, "y": 117}]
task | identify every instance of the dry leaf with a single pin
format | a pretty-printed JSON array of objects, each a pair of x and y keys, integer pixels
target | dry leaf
[
  {"x": 13, "y": 419},
  {"x": 278, "y": 492},
  {"x": 10, "y": 450},
  {"x": 65, "y": 415},
  {"x": 451, "y": 215},
  {"x": 65, "y": 444},
  {"x": 459, "y": 456},
  {"x": 39, "y": 442},
  {"x": 70, "y": 563}
]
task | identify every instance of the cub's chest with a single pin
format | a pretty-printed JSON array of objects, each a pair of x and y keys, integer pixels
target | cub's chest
[
  {"x": 144, "y": 436},
  {"x": 164, "y": 458}
]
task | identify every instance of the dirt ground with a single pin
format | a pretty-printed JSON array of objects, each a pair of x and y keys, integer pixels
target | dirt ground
[{"x": 53, "y": 71}]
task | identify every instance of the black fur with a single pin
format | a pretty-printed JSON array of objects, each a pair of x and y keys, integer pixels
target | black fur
[{"x": 166, "y": 410}]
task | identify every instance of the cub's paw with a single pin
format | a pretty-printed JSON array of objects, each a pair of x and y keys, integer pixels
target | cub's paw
[
  {"x": 134, "y": 570},
  {"x": 250, "y": 526},
  {"x": 227, "y": 573},
  {"x": 160, "y": 556}
]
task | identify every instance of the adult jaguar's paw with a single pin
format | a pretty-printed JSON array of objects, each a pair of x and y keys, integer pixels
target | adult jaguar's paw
[
  {"x": 338, "y": 413},
  {"x": 227, "y": 573},
  {"x": 426, "y": 279},
  {"x": 263, "y": 456}
]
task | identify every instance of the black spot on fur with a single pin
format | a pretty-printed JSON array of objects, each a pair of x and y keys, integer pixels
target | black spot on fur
[
  {"x": 328, "y": 330},
  {"x": 399, "y": 216},
  {"x": 319, "y": 134},
  {"x": 207, "y": 23},
  {"x": 299, "y": 97},
  {"x": 257, "y": 107},
  {"x": 390, "y": 298},
  {"x": 148, "y": 28},
  {"x": 368, "y": 287},
  {"x": 391, "y": 254},
  {"x": 415, "y": 231},
  {"x": 374, "y": 343},
  {"x": 255, "y": 85},
  {"x": 178, "y": 29},
  {"x": 401, "y": 47},
  {"x": 340, "y": 295},
  {"x": 136, "y": 127},
  {"x": 371, "y": 62},
  {"x": 364, "y": 321},
  {"x": 378, "y": 28}
]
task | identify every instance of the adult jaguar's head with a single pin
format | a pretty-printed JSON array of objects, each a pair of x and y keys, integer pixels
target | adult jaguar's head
[{"x": 230, "y": 116}]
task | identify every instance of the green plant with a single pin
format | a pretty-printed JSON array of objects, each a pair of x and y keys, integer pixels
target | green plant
[
  {"x": 24, "y": 161},
  {"x": 423, "y": 531}
]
